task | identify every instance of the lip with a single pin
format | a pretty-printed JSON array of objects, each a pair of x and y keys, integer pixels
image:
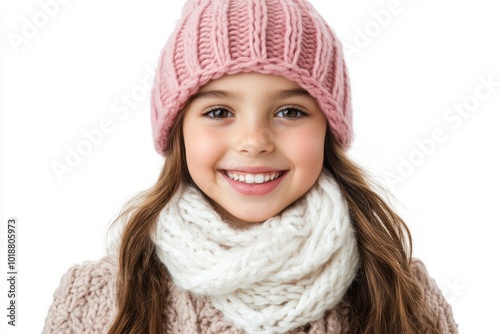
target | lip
[
  {"x": 255, "y": 189},
  {"x": 257, "y": 169}
]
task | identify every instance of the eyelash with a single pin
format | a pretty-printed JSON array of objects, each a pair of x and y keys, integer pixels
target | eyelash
[
  {"x": 210, "y": 112},
  {"x": 215, "y": 108},
  {"x": 300, "y": 112}
]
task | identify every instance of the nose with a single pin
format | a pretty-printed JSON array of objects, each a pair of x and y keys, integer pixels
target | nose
[{"x": 255, "y": 139}]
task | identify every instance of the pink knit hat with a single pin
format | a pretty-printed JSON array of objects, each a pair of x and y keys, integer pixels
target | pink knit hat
[{"x": 281, "y": 37}]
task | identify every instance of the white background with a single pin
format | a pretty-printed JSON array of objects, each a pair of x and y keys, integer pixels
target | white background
[{"x": 411, "y": 68}]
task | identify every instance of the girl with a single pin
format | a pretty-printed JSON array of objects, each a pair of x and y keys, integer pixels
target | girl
[{"x": 259, "y": 222}]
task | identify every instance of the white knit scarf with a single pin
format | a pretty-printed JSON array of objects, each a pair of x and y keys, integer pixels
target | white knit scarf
[{"x": 272, "y": 277}]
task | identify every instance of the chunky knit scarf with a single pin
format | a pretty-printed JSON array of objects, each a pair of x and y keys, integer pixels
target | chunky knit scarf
[{"x": 269, "y": 278}]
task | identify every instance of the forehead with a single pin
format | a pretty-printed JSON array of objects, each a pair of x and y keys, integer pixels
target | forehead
[{"x": 252, "y": 86}]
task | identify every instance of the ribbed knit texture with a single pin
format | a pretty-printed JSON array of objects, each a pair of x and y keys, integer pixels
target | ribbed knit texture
[
  {"x": 85, "y": 303},
  {"x": 281, "y": 37},
  {"x": 269, "y": 278}
]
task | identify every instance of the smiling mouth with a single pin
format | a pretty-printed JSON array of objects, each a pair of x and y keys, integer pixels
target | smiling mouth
[{"x": 250, "y": 178}]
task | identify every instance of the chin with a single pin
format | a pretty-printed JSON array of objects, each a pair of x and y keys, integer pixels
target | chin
[
  {"x": 249, "y": 219},
  {"x": 246, "y": 219}
]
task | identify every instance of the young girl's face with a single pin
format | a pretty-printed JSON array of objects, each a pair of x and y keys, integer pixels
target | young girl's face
[{"x": 254, "y": 144}]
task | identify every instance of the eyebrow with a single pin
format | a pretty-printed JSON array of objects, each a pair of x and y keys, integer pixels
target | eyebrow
[{"x": 283, "y": 94}]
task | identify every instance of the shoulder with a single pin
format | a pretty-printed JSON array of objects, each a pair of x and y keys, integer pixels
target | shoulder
[
  {"x": 84, "y": 300},
  {"x": 434, "y": 298}
]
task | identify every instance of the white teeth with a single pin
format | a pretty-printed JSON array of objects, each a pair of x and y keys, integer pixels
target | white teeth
[
  {"x": 259, "y": 178},
  {"x": 253, "y": 178}
]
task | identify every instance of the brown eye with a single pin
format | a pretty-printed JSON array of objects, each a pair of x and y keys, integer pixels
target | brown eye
[
  {"x": 218, "y": 113},
  {"x": 290, "y": 113}
]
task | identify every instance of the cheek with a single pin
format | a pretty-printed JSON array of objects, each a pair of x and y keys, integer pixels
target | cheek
[
  {"x": 306, "y": 148},
  {"x": 202, "y": 148}
]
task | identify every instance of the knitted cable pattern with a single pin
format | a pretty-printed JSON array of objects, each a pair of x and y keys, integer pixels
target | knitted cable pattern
[
  {"x": 222, "y": 37},
  {"x": 272, "y": 277}
]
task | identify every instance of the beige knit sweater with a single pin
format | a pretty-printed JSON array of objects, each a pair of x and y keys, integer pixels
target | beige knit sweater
[{"x": 85, "y": 303}]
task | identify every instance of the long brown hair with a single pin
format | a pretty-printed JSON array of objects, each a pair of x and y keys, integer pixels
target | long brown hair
[{"x": 384, "y": 298}]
